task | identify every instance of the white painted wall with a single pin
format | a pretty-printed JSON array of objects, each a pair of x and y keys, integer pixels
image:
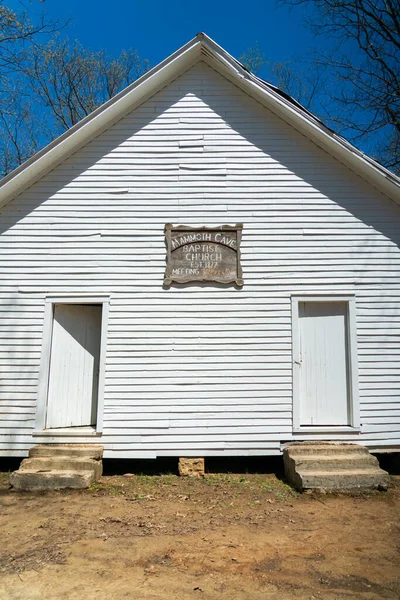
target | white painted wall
[{"x": 200, "y": 370}]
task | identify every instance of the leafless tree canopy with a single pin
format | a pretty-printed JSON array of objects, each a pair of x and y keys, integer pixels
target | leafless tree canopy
[
  {"x": 71, "y": 81},
  {"x": 364, "y": 69},
  {"x": 47, "y": 83},
  {"x": 253, "y": 58},
  {"x": 18, "y": 37}
]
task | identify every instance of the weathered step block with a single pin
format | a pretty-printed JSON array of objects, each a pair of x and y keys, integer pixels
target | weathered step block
[
  {"x": 62, "y": 463},
  {"x": 333, "y": 466},
  {"x": 336, "y": 461},
  {"x": 51, "y": 480},
  {"x": 344, "y": 479},
  {"x": 71, "y": 450},
  {"x": 325, "y": 448},
  {"x": 59, "y": 466}
]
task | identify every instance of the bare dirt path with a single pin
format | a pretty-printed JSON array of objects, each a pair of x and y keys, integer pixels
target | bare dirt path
[{"x": 227, "y": 537}]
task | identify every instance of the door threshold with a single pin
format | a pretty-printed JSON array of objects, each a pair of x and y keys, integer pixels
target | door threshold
[
  {"x": 321, "y": 429},
  {"x": 87, "y": 431}
]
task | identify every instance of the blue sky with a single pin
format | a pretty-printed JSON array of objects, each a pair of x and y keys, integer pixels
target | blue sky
[{"x": 157, "y": 28}]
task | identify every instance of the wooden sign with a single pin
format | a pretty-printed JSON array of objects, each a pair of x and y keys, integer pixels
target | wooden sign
[{"x": 203, "y": 254}]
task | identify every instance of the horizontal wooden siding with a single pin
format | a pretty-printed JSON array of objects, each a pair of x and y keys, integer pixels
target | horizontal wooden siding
[{"x": 199, "y": 370}]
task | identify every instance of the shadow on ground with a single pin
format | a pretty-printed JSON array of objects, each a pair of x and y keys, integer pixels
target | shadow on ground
[
  {"x": 165, "y": 466},
  {"x": 390, "y": 462}
]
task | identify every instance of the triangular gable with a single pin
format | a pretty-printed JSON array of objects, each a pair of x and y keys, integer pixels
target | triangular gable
[{"x": 205, "y": 49}]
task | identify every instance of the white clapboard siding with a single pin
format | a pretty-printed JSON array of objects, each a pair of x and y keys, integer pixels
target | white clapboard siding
[{"x": 199, "y": 370}]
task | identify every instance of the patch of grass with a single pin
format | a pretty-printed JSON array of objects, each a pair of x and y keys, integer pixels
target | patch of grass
[
  {"x": 140, "y": 496},
  {"x": 168, "y": 479},
  {"x": 286, "y": 494},
  {"x": 140, "y": 486},
  {"x": 254, "y": 483},
  {"x": 95, "y": 487},
  {"x": 281, "y": 490},
  {"x": 115, "y": 491},
  {"x": 226, "y": 479},
  {"x": 267, "y": 487},
  {"x": 143, "y": 479}
]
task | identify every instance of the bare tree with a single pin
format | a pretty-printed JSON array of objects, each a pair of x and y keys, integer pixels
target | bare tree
[
  {"x": 305, "y": 85},
  {"x": 363, "y": 68},
  {"x": 18, "y": 34},
  {"x": 18, "y": 131},
  {"x": 47, "y": 83},
  {"x": 71, "y": 81},
  {"x": 253, "y": 58}
]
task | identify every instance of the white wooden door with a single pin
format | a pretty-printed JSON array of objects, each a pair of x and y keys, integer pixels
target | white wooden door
[
  {"x": 74, "y": 366},
  {"x": 324, "y": 364}
]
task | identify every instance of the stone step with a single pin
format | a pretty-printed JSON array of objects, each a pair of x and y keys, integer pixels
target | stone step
[
  {"x": 51, "y": 480},
  {"x": 362, "y": 479},
  {"x": 335, "y": 461},
  {"x": 71, "y": 450},
  {"x": 306, "y": 448},
  {"x": 62, "y": 463},
  {"x": 332, "y": 466},
  {"x": 59, "y": 466}
]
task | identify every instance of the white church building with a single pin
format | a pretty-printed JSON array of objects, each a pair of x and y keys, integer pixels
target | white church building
[{"x": 199, "y": 268}]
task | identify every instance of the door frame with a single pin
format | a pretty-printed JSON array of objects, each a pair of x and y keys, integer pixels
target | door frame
[
  {"x": 44, "y": 370},
  {"x": 354, "y": 407}
]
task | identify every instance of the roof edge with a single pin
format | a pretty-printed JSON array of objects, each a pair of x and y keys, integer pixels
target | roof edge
[
  {"x": 99, "y": 120},
  {"x": 309, "y": 125},
  {"x": 200, "y": 47}
]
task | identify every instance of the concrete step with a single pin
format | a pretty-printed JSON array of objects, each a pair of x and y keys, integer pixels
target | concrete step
[
  {"x": 51, "y": 480},
  {"x": 58, "y": 466},
  {"x": 340, "y": 479},
  {"x": 62, "y": 463},
  {"x": 318, "y": 448},
  {"x": 332, "y": 466},
  {"x": 71, "y": 450},
  {"x": 335, "y": 461}
]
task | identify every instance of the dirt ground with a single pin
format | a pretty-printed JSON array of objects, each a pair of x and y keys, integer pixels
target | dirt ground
[{"x": 227, "y": 536}]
